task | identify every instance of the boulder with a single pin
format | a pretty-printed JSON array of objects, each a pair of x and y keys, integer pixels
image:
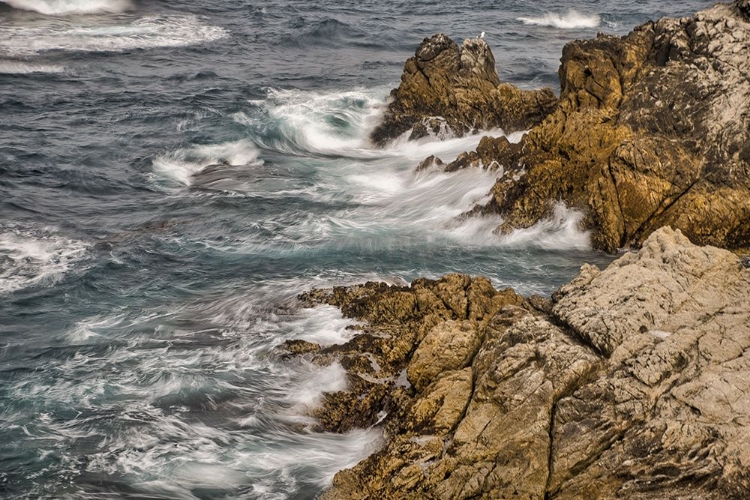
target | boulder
[{"x": 450, "y": 90}]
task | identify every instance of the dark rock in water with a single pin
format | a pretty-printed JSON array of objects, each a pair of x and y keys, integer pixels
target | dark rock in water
[
  {"x": 455, "y": 90},
  {"x": 430, "y": 162},
  {"x": 652, "y": 129},
  {"x": 633, "y": 383},
  {"x": 299, "y": 346}
]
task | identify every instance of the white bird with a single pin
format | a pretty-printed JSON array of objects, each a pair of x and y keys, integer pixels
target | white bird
[{"x": 481, "y": 35}]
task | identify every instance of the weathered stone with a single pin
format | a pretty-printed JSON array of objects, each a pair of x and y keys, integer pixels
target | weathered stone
[
  {"x": 634, "y": 384},
  {"x": 448, "y": 346},
  {"x": 448, "y": 90},
  {"x": 651, "y": 129}
]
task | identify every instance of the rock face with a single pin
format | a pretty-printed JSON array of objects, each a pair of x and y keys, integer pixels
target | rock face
[
  {"x": 445, "y": 87},
  {"x": 651, "y": 129},
  {"x": 633, "y": 382}
]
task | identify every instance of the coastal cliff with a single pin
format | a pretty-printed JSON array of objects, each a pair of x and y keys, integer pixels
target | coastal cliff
[
  {"x": 650, "y": 129},
  {"x": 630, "y": 382}
]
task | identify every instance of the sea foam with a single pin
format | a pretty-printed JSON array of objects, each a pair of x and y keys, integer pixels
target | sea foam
[
  {"x": 65, "y": 7},
  {"x": 35, "y": 258},
  {"x": 141, "y": 33},
  {"x": 570, "y": 20}
]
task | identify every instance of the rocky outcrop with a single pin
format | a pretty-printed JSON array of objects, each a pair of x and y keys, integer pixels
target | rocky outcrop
[
  {"x": 632, "y": 382},
  {"x": 651, "y": 129},
  {"x": 450, "y": 89}
]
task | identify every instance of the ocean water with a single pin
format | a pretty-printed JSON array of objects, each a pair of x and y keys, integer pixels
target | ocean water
[{"x": 173, "y": 173}]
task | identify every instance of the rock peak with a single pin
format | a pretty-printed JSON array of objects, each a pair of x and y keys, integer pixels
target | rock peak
[{"x": 447, "y": 88}]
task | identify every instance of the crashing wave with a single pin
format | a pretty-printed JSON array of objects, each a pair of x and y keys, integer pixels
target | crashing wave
[
  {"x": 570, "y": 20},
  {"x": 35, "y": 258},
  {"x": 143, "y": 33},
  {"x": 66, "y": 7}
]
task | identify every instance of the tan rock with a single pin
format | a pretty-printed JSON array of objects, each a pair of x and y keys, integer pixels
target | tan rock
[
  {"x": 652, "y": 129},
  {"x": 450, "y": 90},
  {"x": 449, "y": 346},
  {"x": 635, "y": 385}
]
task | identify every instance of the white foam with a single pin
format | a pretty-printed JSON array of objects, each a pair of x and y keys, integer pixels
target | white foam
[
  {"x": 141, "y": 33},
  {"x": 324, "y": 325},
  {"x": 35, "y": 258},
  {"x": 311, "y": 383},
  {"x": 329, "y": 453},
  {"x": 331, "y": 124},
  {"x": 23, "y": 68},
  {"x": 570, "y": 20},
  {"x": 183, "y": 164},
  {"x": 559, "y": 232},
  {"x": 64, "y": 7}
]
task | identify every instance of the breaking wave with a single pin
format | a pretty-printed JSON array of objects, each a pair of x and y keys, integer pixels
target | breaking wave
[
  {"x": 65, "y": 7},
  {"x": 570, "y": 20},
  {"x": 10, "y": 67},
  {"x": 35, "y": 258},
  {"x": 142, "y": 33}
]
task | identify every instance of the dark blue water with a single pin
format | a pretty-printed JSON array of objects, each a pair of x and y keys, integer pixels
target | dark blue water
[{"x": 173, "y": 173}]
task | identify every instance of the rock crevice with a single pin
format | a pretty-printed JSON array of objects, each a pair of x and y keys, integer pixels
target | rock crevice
[
  {"x": 651, "y": 129},
  {"x": 632, "y": 383}
]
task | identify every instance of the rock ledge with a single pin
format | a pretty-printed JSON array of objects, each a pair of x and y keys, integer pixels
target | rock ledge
[{"x": 631, "y": 382}]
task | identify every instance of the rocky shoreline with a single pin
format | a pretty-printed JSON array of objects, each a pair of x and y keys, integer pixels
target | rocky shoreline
[
  {"x": 650, "y": 129},
  {"x": 632, "y": 382},
  {"x": 629, "y": 382}
]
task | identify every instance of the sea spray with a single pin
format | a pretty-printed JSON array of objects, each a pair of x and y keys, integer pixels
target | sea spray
[
  {"x": 140, "y": 33},
  {"x": 570, "y": 20},
  {"x": 66, "y": 7},
  {"x": 36, "y": 257}
]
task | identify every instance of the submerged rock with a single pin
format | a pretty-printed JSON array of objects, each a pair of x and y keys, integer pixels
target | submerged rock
[
  {"x": 635, "y": 383},
  {"x": 652, "y": 129},
  {"x": 447, "y": 89}
]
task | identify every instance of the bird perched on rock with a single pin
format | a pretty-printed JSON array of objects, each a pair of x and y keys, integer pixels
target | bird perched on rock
[{"x": 481, "y": 35}]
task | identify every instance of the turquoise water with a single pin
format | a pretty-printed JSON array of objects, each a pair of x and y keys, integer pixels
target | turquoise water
[{"x": 172, "y": 175}]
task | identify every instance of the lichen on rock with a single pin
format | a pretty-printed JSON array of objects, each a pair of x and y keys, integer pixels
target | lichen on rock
[
  {"x": 652, "y": 129},
  {"x": 634, "y": 384},
  {"x": 447, "y": 86}
]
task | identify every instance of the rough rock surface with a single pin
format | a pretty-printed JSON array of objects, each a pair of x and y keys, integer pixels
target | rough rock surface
[
  {"x": 633, "y": 383},
  {"x": 651, "y": 129},
  {"x": 447, "y": 88}
]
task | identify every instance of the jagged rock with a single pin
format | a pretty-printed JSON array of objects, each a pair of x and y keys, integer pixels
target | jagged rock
[
  {"x": 634, "y": 384},
  {"x": 447, "y": 89},
  {"x": 651, "y": 129},
  {"x": 298, "y": 346},
  {"x": 431, "y": 161}
]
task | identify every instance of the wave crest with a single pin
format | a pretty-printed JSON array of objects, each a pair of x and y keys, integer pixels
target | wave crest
[
  {"x": 65, "y": 7},
  {"x": 143, "y": 33},
  {"x": 35, "y": 258},
  {"x": 570, "y": 20}
]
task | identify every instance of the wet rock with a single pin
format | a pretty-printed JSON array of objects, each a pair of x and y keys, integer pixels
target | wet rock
[
  {"x": 296, "y": 347},
  {"x": 633, "y": 383},
  {"x": 651, "y": 129},
  {"x": 449, "y": 90},
  {"x": 431, "y": 161}
]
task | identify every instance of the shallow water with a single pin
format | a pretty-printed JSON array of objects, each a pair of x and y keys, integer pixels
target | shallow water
[{"x": 173, "y": 174}]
